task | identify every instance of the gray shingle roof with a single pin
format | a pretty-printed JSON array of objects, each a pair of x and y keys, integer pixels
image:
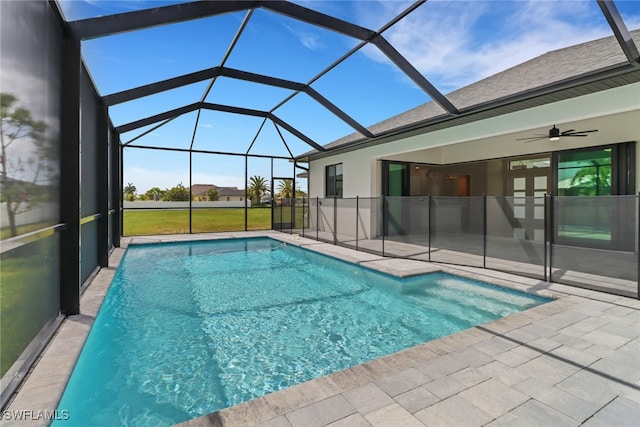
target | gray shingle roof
[
  {"x": 549, "y": 68},
  {"x": 201, "y": 190}
]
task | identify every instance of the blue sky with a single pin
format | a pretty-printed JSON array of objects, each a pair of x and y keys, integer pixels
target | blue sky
[{"x": 453, "y": 43}]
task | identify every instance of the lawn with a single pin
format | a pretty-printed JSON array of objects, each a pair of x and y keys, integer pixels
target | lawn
[
  {"x": 165, "y": 221},
  {"x": 176, "y": 221},
  {"x": 5, "y": 232},
  {"x": 28, "y": 296}
]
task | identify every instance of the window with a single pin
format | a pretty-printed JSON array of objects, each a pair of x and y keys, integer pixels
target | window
[
  {"x": 333, "y": 183},
  {"x": 585, "y": 172}
]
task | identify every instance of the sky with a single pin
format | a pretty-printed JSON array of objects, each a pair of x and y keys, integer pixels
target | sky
[{"x": 452, "y": 43}]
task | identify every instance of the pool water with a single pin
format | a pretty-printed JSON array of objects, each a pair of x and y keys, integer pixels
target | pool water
[{"x": 190, "y": 328}]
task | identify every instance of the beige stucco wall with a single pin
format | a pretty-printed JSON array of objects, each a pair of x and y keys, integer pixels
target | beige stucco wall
[{"x": 615, "y": 113}]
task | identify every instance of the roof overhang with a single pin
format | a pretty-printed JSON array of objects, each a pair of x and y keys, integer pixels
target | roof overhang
[{"x": 609, "y": 78}]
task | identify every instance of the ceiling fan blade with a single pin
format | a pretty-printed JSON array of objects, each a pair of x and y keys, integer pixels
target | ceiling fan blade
[
  {"x": 531, "y": 139},
  {"x": 579, "y": 133},
  {"x": 567, "y": 131},
  {"x": 535, "y": 136}
]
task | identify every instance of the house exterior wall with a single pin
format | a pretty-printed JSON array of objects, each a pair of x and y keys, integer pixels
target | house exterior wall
[{"x": 614, "y": 112}]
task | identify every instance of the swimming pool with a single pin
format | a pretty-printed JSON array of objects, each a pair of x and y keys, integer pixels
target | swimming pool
[{"x": 190, "y": 328}]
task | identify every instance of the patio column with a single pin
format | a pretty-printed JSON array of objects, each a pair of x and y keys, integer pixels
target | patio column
[
  {"x": 103, "y": 185},
  {"x": 116, "y": 188},
  {"x": 70, "y": 177}
]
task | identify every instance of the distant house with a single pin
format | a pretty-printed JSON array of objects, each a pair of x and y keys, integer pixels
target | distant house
[{"x": 225, "y": 194}]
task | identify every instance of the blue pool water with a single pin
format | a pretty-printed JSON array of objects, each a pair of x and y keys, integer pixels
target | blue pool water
[{"x": 190, "y": 328}]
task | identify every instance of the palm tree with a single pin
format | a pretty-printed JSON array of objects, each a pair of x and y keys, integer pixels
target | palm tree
[
  {"x": 285, "y": 189},
  {"x": 593, "y": 180},
  {"x": 257, "y": 187}
]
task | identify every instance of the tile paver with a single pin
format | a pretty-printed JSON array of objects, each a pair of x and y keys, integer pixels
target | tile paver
[
  {"x": 444, "y": 387},
  {"x": 574, "y": 360},
  {"x": 321, "y": 413},
  {"x": 494, "y": 397},
  {"x": 534, "y": 413},
  {"x": 454, "y": 411},
  {"x": 560, "y": 400},
  {"x": 416, "y": 399},
  {"x": 393, "y": 416},
  {"x": 620, "y": 412},
  {"x": 402, "y": 381},
  {"x": 367, "y": 398}
]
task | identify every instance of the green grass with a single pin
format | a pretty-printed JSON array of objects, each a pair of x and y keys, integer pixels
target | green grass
[
  {"x": 5, "y": 232},
  {"x": 146, "y": 222},
  {"x": 29, "y": 295},
  {"x": 176, "y": 221}
]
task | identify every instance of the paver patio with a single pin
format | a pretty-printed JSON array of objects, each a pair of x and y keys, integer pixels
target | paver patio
[{"x": 573, "y": 361}]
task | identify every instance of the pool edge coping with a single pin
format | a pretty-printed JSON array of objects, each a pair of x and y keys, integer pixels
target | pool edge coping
[{"x": 47, "y": 380}]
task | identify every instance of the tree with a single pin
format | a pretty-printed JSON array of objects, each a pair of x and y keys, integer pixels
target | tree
[
  {"x": 213, "y": 194},
  {"x": 179, "y": 193},
  {"x": 19, "y": 176},
  {"x": 129, "y": 192},
  {"x": 257, "y": 188},
  {"x": 285, "y": 189},
  {"x": 592, "y": 180},
  {"x": 154, "y": 194}
]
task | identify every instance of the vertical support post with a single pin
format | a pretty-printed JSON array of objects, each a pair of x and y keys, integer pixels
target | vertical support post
[
  {"x": 281, "y": 209},
  {"x": 546, "y": 234},
  {"x": 273, "y": 199},
  {"x": 484, "y": 231},
  {"x": 638, "y": 247},
  {"x": 103, "y": 185},
  {"x": 552, "y": 232},
  {"x": 357, "y": 209},
  {"x": 190, "y": 194},
  {"x": 429, "y": 228},
  {"x": 335, "y": 220},
  {"x": 246, "y": 192},
  {"x": 317, "y": 218},
  {"x": 292, "y": 211},
  {"x": 303, "y": 217},
  {"x": 116, "y": 158},
  {"x": 384, "y": 219},
  {"x": 119, "y": 192},
  {"x": 70, "y": 177}
]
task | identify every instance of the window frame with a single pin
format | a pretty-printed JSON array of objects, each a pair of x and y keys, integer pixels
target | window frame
[{"x": 334, "y": 181}]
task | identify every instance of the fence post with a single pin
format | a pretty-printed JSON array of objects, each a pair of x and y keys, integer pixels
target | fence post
[
  {"x": 281, "y": 209},
  {"x": 638, "y": 249},
  {"x": 292, "y": 214},
  {"x": 335, "y": 220},
  {"x": 429, "y": 227},
  {"x": 384, "y": 220},
  {"x": 484, "y": 231},
  {"x": 546, "y": 234},
  {"x": 552, "y": 226},
  {"x": 357, "y": 208},
  {"x": 317, "y": 218}
]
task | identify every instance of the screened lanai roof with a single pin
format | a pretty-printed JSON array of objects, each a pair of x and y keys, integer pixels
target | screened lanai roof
[{"x": 282, "y": 78}]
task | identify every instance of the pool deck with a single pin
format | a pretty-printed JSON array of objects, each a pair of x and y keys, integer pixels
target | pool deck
[{"x": 574, "y": 361}]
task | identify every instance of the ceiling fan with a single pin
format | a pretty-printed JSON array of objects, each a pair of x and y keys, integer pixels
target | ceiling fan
[{"x": 555, "y": 134}]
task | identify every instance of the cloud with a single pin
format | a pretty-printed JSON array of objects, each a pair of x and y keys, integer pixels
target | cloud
[
  {"x": 454, "y": 44},
  {"x": 308, "y": 39}
]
